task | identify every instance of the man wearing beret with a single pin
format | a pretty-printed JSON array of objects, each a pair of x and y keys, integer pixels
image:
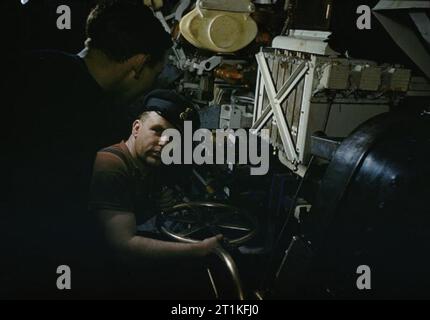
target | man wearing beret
[{"x": 126, "y": 180}]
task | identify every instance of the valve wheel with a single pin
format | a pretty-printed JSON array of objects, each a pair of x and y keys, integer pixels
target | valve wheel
[{"x": 191, "y": 222}]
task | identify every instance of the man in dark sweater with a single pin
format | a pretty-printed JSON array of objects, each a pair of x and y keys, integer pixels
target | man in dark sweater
[{"x": 66, "y": 107}]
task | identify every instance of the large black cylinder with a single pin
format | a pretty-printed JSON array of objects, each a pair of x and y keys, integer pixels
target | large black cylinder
[{"x": 373, "y": 209}]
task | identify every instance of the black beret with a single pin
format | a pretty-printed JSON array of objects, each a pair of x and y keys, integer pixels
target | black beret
[{"x": 171, "y": 106}]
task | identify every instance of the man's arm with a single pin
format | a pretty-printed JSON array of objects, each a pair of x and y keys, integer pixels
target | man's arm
[{"x": 120, "y": 229}]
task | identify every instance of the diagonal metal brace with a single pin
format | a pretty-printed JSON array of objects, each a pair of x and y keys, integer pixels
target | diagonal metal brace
[
  {"x": 276, "y": 99},
  {"x": 283, "y": 94}
]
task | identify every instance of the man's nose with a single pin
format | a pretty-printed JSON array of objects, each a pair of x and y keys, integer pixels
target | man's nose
[{"x": 163, "y": 140}]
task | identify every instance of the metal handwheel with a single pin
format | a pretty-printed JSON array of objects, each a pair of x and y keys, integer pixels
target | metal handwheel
[
  {"x": 195, "y": 221},
  {"x": 201, "y": 220}
]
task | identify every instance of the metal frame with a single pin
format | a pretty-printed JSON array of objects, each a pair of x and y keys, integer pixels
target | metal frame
[
  {"x": 302, "y": 134},
  {"x": 281, "y": 96},
  {"x": 274, "y": 108}
]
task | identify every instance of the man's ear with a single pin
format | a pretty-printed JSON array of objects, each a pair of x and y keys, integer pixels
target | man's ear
[
  {"x": 136, "y": 127},
  {"x": 137, "y": 63}
]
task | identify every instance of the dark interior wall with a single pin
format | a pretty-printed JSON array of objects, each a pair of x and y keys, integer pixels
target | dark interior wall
[{"x": 38, "y": 25}]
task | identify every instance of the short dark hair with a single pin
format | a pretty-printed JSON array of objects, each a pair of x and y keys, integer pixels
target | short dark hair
[{"x": 124, "y": 28}]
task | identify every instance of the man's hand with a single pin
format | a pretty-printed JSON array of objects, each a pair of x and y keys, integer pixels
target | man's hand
[{"x": 209, "y": 244}]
